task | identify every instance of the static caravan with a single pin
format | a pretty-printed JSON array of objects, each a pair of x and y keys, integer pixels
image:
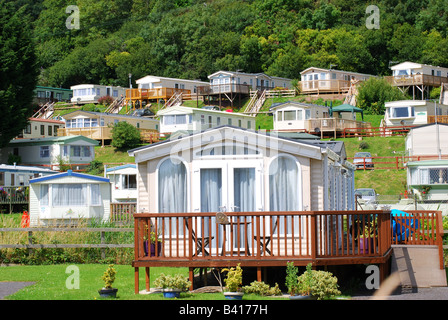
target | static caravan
[
  {"x": 15, "y": 176},
  {"x": 47, "y": 151},
  {"x": 153, "y": 82},
  {"x": 123, "y": 182},
  {"x": 408, "y": 69},
  {"x": 49, "y": 94},
  {"x": 41, "y": 128},
  {"x": 179, "y": 118},
  {"x": 228, "y": 169},
  {"x": 294, "y": 116},
  {"x": 320, "y": 80},
  {"x": 417, "y": 79},
  {"x": 90, "y": 93},
  {"x": 412, "y": 112},
  {"x": 98, "y": 125},
  {"x": 254, "y": 81},
  {"x": 427, "y": 141},
  {"x": 68, "y": 197}
]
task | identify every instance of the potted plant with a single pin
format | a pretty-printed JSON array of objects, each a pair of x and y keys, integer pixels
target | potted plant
[
  {"x": 150, "y": 240},
  {"x": 299, "y": 288},
  {"x": 172, "y": 286},
  {"x": 233, "y": 281},
  {"x": 108, "y": 277},
  {"x": 291, "y": 278},
  {"x": 366, "y": 237}
]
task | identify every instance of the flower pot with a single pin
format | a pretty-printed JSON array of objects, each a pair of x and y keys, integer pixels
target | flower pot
[
  {"x": 171, "y": 293},
  {"x": 233, "y": 295},
  {"x": 108, "y": 293},
  {"x": 365, "y": 244},
  {"x": 152, "y": 248}
]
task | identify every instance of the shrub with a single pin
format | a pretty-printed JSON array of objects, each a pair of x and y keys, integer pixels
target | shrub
[
  {"x": 172, "y": 282},
  {"x": 109, "y": 276},
  {"x": 363, "y": 145},
  {"x": 291, "y": 277},
  {"x": 95, "y": 167},
  {"x": 105, "y": 100},
  {"x": 262, "y": 289},
  {"x": 125, "y": 136},
  {"x": 321, "y": 284},
  {"x": 234, "y": 278}
]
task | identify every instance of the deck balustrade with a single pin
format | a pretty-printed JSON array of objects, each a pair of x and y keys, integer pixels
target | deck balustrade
[{"x": 263, "y": 239}]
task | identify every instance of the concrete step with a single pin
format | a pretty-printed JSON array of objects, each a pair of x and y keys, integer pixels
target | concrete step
[{"x": 418, "y": 266}]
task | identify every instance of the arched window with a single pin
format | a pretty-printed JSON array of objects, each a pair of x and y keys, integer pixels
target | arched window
[
  {"x": 285, "y": 189},
  {"x": 172, "y": 186},
  {"x": 284, "y": 185}
]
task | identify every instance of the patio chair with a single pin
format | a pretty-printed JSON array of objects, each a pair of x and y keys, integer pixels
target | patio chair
[
  {"x": 201, "y": 242},
  {"x": 267, "y": 239}
]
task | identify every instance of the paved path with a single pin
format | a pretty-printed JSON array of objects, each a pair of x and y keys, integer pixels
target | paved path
[
  {"x": 8, "y": 288},
  {"x": 434, "y": 293}
]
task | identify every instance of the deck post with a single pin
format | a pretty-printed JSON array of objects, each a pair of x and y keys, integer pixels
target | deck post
[
  {"x": 259, "y": 274},
  {"x": 136, "y": 289},
  {"x": 147, "y": 278},
  {"x": 191, "y": 277}
]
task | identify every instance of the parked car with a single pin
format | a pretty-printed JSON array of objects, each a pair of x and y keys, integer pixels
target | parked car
[
  {"x": 143, "y": 113},
  {"x": 215, "y": 108},
  {"x": 367, "y": 194},
  {"x": 363, "y": 160}
]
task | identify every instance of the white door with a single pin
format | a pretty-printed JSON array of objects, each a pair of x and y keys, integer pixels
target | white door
[{"x": 228, "y": 186}]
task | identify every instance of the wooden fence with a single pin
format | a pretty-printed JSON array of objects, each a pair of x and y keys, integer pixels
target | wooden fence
[{"x": 103, "y": 245}]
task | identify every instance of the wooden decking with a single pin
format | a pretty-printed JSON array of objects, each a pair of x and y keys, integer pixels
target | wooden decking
[
  {"x": 104, "y": 133},
  {"x": 416, "y": 79},
  {"x": 267, "y": 239}
]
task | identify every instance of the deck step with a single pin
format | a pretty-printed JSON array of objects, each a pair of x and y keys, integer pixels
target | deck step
[{"x": 418, "y": 266}]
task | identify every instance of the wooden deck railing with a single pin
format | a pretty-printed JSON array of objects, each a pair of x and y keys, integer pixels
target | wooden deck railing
[
  {"x": 265, "y": 239},
  {"x": 150, "y": 94},
  {"x": 223, "y": 88},
  {"x": 416, "y": 79}
]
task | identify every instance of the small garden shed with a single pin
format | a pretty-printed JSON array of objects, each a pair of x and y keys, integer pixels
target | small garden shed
[{"x": 68, "y": 197}]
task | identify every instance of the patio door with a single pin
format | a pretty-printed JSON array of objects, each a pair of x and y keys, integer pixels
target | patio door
[{"x": 228, "y": 186}]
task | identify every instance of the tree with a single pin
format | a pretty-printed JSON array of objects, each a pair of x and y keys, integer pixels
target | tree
[
  {"x": 18, "y": 71},
  {"x": 374, "y": 93},
  {"x": 125, "y": 136}
]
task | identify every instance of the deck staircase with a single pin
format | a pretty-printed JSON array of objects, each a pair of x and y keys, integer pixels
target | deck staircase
[
  {"x": 116, "y": 106},
  {"x": 350, "y": 98},
  {"x": 45, "y": 112},
  {"x": 256, "y": 102},
  {"x": 418, "y": 266},
  {"x": 175, "y": 100}
]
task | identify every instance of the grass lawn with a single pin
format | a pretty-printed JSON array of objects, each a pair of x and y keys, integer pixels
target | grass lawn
[{"x": 51, "y": 283}]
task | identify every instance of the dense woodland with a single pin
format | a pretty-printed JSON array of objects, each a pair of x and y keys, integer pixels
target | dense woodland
[{"x": 194, "y": 38}]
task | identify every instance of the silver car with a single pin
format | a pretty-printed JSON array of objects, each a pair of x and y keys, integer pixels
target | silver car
[{"x": 366, "y": 194}]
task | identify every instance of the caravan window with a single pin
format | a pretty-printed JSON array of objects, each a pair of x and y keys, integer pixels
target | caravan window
[{"x": 402, "y": 112}]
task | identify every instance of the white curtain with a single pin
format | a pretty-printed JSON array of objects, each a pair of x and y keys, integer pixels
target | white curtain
[
  {"x": 211, "y": 199},
  {"x": 284, "y": 188},
  {"x": 95, "y": 195},
  {"x": 172, "y": 192},
  {"x": 244, "y": 200},
  {"x": 43, "y": 198},
  {"x": 172, "y": 187},
  {"x": 69, "y": 195}
]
